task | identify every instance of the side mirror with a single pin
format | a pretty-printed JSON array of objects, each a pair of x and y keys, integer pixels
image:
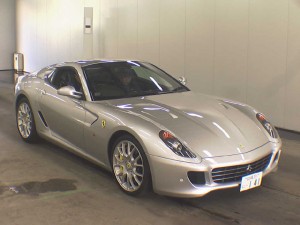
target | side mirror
[
  {"x": 46, "y": 78},
  {"x": 182, "y": 80},
  {"x": 70, "y": 92}
]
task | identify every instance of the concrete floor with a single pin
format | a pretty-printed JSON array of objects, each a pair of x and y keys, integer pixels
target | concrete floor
[{"x": 44, "y": 184}]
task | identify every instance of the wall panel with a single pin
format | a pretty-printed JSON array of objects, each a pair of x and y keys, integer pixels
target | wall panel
[
  {"x": 41, "y": 33},
  {"x": 26, "y": 26},
  {"x": 172, "y": 36},
  {"x": 292, "y": 86},
  {"x": 267, "y": 57},
  {"x": 7, "y": 34},
  {"x": 109, "y": 28},
  {"x": 199, "y": 47},
  {"x": 76, "y": 12},
  {"x": 53, "y": 36},
  {"x": 63, "y": 32},
  {"x": 231, "y": 42},
  {"x": 148, "y": 31},
  {"x": 127, "y": 29},
  {"x": 91, "y": 41}
]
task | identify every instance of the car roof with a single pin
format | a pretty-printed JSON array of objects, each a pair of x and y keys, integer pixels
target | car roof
[{"x": 84, "y": 63}]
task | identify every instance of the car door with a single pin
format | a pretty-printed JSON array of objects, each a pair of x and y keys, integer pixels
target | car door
[{"x": 63, "y": 115}]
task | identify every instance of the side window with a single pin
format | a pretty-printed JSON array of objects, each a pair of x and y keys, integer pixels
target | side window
[
  {"x": 58, "y": 79},
  {"x": 65, "y": 77},
  {"x": 45, "y": 72}
]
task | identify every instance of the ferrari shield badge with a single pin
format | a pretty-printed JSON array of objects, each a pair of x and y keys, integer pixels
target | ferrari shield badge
[
  {"x": 103, "y": 123},
  {"x": 241, "y": 146}
]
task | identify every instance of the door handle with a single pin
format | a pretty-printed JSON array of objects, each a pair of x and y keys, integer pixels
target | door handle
[{"x": 43, "y": 92}]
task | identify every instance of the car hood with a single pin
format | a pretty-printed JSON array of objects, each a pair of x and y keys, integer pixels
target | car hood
[{"x": 210, "y": 127}]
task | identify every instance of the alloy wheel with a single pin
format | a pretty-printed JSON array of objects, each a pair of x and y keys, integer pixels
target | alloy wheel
[
  {"x": 128, "y": 166},
  {"x": 24, "y": 118}
]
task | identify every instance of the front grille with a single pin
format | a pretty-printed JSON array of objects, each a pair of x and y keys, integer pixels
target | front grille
[{"x": 235, "y": 173}]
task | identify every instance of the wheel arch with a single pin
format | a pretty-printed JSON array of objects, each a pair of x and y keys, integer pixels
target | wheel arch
[
  {"x": 120, "y": 133},
  {"x": 18, "y": 99},
  {"x": 114, "y": 137}
]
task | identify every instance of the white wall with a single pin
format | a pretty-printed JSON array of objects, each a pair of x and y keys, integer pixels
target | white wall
[
  {"x": 7, "y": 34},
  {"x": 247, "y": 50},
  {"x": 52, "y": 31},
  {"x": 292, "y": 74}
]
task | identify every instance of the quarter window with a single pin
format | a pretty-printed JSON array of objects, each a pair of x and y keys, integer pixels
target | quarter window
[{"x": 65, "y": 77}]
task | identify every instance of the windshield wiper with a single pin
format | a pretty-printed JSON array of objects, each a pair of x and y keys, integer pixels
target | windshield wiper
[
  {"x": 158, "y": 92},
  {"x": 154, "y": 92},
  {"x": 179, "y": 89}
]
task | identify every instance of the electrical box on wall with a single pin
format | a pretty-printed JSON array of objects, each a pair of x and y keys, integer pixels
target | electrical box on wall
[
  {"x": 88, "y": 20},
  {"x": 18, "y": 62},
  {"x": 87, "y": 25}
]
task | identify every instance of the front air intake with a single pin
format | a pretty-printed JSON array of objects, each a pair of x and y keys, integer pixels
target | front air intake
[{"x": 235, "y": 173}]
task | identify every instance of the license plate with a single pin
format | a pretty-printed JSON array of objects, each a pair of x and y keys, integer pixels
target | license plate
[{"x": 251, "y": 181}]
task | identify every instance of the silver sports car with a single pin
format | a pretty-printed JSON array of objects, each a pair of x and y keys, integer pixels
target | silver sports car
[{"x": 150, "y": 130}]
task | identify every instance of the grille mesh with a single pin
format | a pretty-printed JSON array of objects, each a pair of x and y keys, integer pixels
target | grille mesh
[{"x": 235, "y": 173}]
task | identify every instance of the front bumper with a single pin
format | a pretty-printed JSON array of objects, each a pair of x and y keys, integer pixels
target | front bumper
[{"x": 170, "y": 177}]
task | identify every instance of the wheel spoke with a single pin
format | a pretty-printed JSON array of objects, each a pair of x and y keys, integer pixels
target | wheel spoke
[
  {"x": 120, "y": 150},
  {"x": 138, "y": 165},
  {"x": 19, "y": 114},
  {"x": 134, "y": 149},
  {"x": 26, "y": 108},
  {"x": 20, "y": 121},
  {"x": 21, "y": 127},
  {"x": 22, "y": 109},
  {"x": 137, "y": 180},
  {"x": 130, "y": 182},
  {"x": 123, "y": 180},
  {"x": 25, "y": 130},
  {"x": 137, "y": 174},
  {"x": 116, "y": 166},
  {"x": 137, "y": 159},
  {"x": 123, "y": 148},
  {"x": 128, "y": 149}
]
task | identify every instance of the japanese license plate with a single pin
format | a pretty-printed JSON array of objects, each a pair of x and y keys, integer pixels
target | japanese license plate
[{"x": 251, "y": 181}]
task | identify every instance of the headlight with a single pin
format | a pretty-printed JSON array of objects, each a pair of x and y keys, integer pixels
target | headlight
[
  {"x": 175, "y": 145},
  {"x": 269, "y": 128}
]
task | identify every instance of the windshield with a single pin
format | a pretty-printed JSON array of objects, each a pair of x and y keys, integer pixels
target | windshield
[{"x": 112, "y": 80}]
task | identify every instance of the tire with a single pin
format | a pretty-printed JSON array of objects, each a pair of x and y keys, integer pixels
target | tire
[
  {"x": 25, "y": 121},
  {"x": 130, "y": 166}
]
